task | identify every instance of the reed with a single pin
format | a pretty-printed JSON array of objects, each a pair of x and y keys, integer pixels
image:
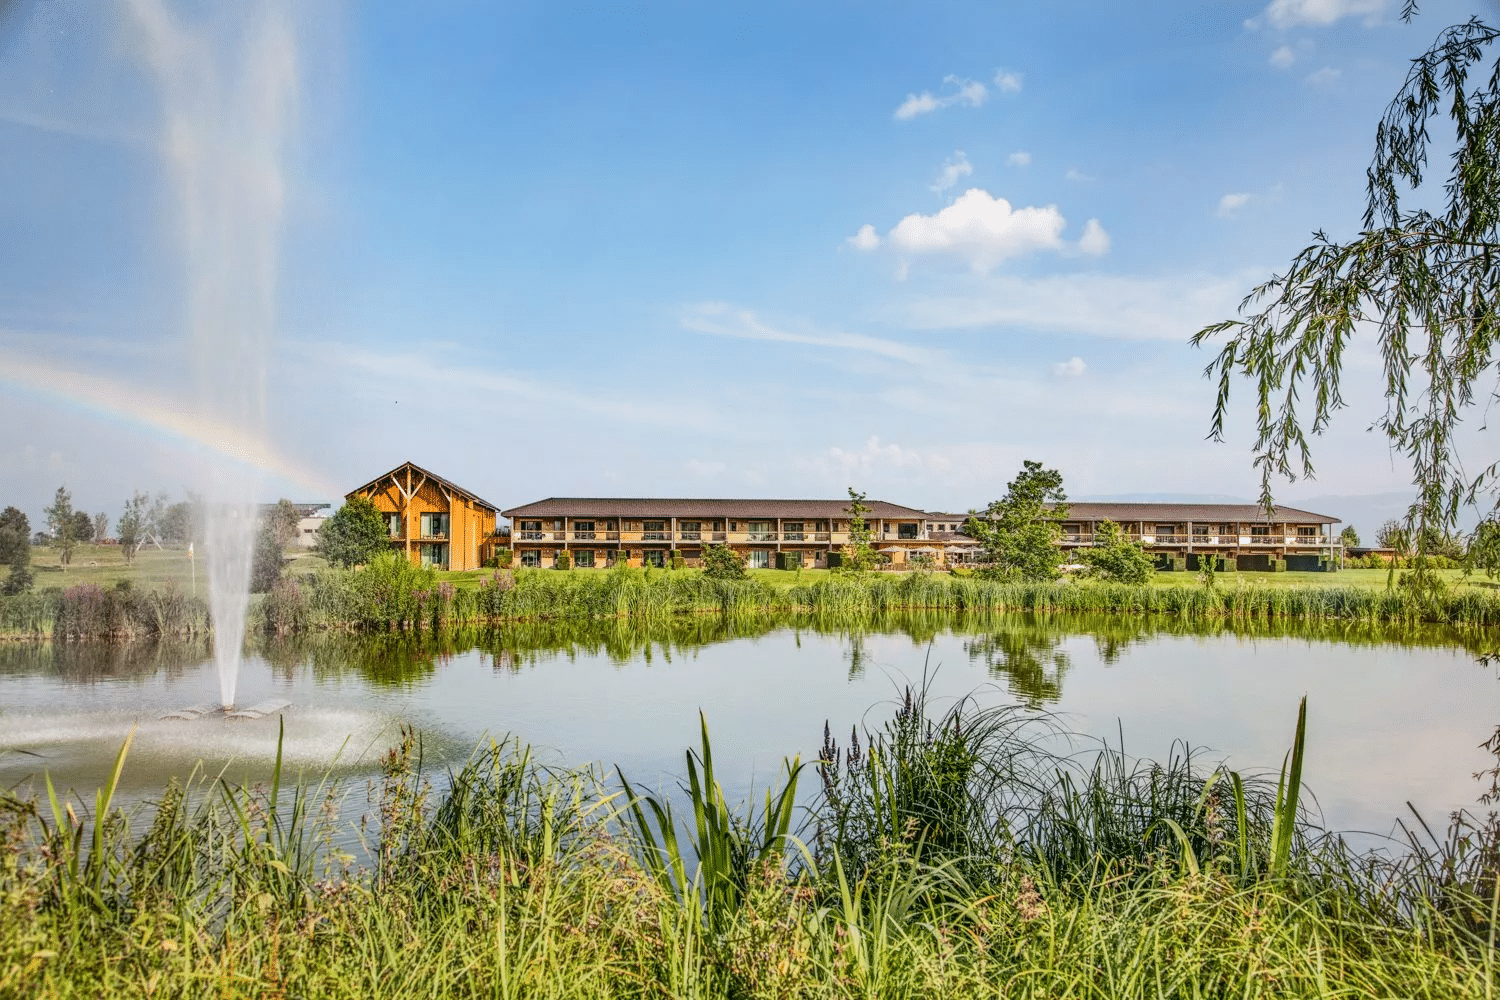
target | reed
[{"x": 985, "y": 863}]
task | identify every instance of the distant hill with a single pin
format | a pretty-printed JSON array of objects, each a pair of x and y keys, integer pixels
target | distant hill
[{"x": 1161, "y": 498}]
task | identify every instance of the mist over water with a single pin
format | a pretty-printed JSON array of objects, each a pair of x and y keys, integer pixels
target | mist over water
[{"x": 228, "y": 81}]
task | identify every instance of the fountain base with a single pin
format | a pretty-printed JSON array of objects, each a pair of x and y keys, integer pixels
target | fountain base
[{"x": 257, "y": 711}]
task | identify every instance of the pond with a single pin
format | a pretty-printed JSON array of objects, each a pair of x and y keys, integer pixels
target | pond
[{"x": 1396, "y": 715}]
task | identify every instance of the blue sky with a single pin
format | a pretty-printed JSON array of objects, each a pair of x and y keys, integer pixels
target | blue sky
[{"x": 701, "y": 250}]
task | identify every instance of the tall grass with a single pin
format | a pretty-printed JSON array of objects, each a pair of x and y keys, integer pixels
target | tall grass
[
  {"x": 392, "y": 594},
  {"x": 969, "y": 861}
]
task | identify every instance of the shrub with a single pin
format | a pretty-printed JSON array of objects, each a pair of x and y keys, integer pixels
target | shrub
[
  {"x": 720, "y": 562},
  {"x": 563, "y": 561},
  {"x": 1115, "y": 557},
  {"x": 503, "y": 557},
  {"x": 677, "y": 561}
]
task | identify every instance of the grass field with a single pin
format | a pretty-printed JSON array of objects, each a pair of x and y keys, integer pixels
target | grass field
[{"x": 104, "y": 565}]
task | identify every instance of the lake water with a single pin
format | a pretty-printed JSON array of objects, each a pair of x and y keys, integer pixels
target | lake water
[{"x": 1394, "y": 715}]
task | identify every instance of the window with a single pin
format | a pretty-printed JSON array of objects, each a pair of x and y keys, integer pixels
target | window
[
  {"x": 760, "y": 559},
  {"x": 793, "y": 530},
  {"x": 584, "y": 558},
  {"x": 434, "y": 525},
  {"x": 653, "y": 557},
  {"x": 692, "y": 531},
  {"x": 583, "y": 530},
  {"x": 1166, "y": 529},
  {"x": 1200, "y": 531},
  {"x": 434, "y": 555},
  {"x": 393, "y": 522},
  {"x": 531, "y": 525},
  {"x": 1306, "y": 531},
  {"x": 760, "y": 531},
  {"x": 654, "y": 531},
  {"x": 906, "y": 531},
  {"x": 1260, "y": 531},
  {"x": 531, "y": 557}
]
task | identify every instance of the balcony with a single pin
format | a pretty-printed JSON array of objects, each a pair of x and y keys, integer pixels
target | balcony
[
  {"x": 760, "y": 536},
  {"x": 431, "y": 538},
  {"x": 585, "y": 536},
  {"x": 794, "y": 536},
  {"x": 690, "y": 536},
  {"x": 656, "y": 536}
]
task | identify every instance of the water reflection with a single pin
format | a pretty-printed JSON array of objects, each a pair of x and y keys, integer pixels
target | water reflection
[{"x": 97, "y": 661}]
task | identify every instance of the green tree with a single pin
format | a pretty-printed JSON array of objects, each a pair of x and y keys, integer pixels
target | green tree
[
  {"x": 1484, "y": 548},
  {"x": 1116, "y": 557},
  {"x": 354, "y": 535},
  {"x": 15, "y": 550},
  {"x": 131, "y": 525},
  {"x": 859, "y": 554},
  {"x": 61, "y": 523},
  {"x": 268, "y": 558},
  {"x": 1020, "y": 532},
  {"x": 1422, "y": 281},
  {"x": 101, "y": 527},
  {"x": 720, "y": 562},
  {"x": 83, "y": 526},
  {"x": 282, "y": 520},
  {"x": 1349, "y": 538},
  {"x": 1394, "y": 535}
]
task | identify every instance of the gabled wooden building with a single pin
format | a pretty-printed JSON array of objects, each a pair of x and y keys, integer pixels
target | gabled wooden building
[{"x": 433, "y": 521}]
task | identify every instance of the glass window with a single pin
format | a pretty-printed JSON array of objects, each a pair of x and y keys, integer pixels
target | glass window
[
  {"x": 653, "y": 526},
  {"x": 531, "y": 557},
  {"x": 393, "y": 521},
  {"x": 434, "y": 525},
  {"x": 531, "y": 525},
  {"x": 760, "y": 559},
  {"x": 906, "y": 531},
  {"x": 652, "y": 557},
  {"x": 584, "y": 558},
  {"x": 583, "y": 525},
  {"x": 792, "y": 525},
  {"x": 1260, "y": 530},
  {"x": 691, "y": 525}
]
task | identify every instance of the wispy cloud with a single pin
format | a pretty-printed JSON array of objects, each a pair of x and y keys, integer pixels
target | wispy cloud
[
  {"x": 955, "y": 167},
  {"x": 719, "y": 319},
  {"x": 1095, "y": 305},
  {"x": 1231, "y": 203},
  {"x": 1074, "y": 367},
  {"x": 1008, "y": 81},
  {"x": 971, "y": 93},
  {"x": 1020, "y": 158},
  {"x": 1324, "y": 76},
  {"x": 1283, "y": 14}
]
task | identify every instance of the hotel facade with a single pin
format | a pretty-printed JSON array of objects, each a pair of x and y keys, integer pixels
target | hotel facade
[{"x": 594, "y": 532}]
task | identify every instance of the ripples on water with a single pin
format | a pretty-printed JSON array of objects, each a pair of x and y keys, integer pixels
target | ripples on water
[{"x": 1396, "y": 713}]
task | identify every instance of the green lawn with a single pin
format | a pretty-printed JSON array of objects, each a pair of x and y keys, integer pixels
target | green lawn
[{"x": 105, "y": 565}]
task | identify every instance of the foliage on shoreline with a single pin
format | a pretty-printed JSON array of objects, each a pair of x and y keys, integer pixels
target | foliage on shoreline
[
  {"x": 944, "y": 856},
  {"x": 391, "y": 594},
  {"x": 387, "y": 595}
]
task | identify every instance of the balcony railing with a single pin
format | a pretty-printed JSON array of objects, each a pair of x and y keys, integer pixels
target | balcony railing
[
  {"x": 793, "y": 536},
  {"x": 690, "y": 536},
  {"x": 585, "y": 536},
  {"x": 432, "y": 538},
  {"x": 761, "y": 536},
  {"x": 532, "y": 536},
  {"x": 656, "y": 536}
]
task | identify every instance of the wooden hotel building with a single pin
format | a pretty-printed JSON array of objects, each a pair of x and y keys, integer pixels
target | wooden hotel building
[{"x": 433, "y": 521}]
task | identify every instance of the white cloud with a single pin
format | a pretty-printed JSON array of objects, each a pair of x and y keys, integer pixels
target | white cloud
[
  {"x": 983, "y": 229},
  {"x": 1232, "y": 203},
  {"x": 719, "y": 319},
  {"x": 1077, "y": 176},
  {"x": 1095, "y": 241},
  {"x": 1282, "y": 57},
  {"x": 1007, "y": 81},
  {"x": 865, "y": 239},
  {"x": 874, "y": 457},
  {"x": 1122, "y": 308},
  {"x": 955, "y": 167},
  {"x": 968, "y": 92},
  {"x": 1074, "y": 367},
  {"x": 1284, "y": 14},
  {"x": 1326, "y": 75},
  {"x": 1020, "y": 158}
]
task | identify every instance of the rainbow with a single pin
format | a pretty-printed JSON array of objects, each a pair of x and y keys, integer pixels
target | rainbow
[{"x": 132, "y": 407}]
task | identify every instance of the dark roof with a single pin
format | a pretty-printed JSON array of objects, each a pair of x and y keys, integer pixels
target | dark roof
[
  {"x": 432, "y": 476},
  {"x": 686, "y": 507},
  {"x": 1199, "y": 512},
  {"x": 303, "y": 509}
]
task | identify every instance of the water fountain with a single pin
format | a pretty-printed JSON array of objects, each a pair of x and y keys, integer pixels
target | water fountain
[{"x": 228, "y": 85}]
